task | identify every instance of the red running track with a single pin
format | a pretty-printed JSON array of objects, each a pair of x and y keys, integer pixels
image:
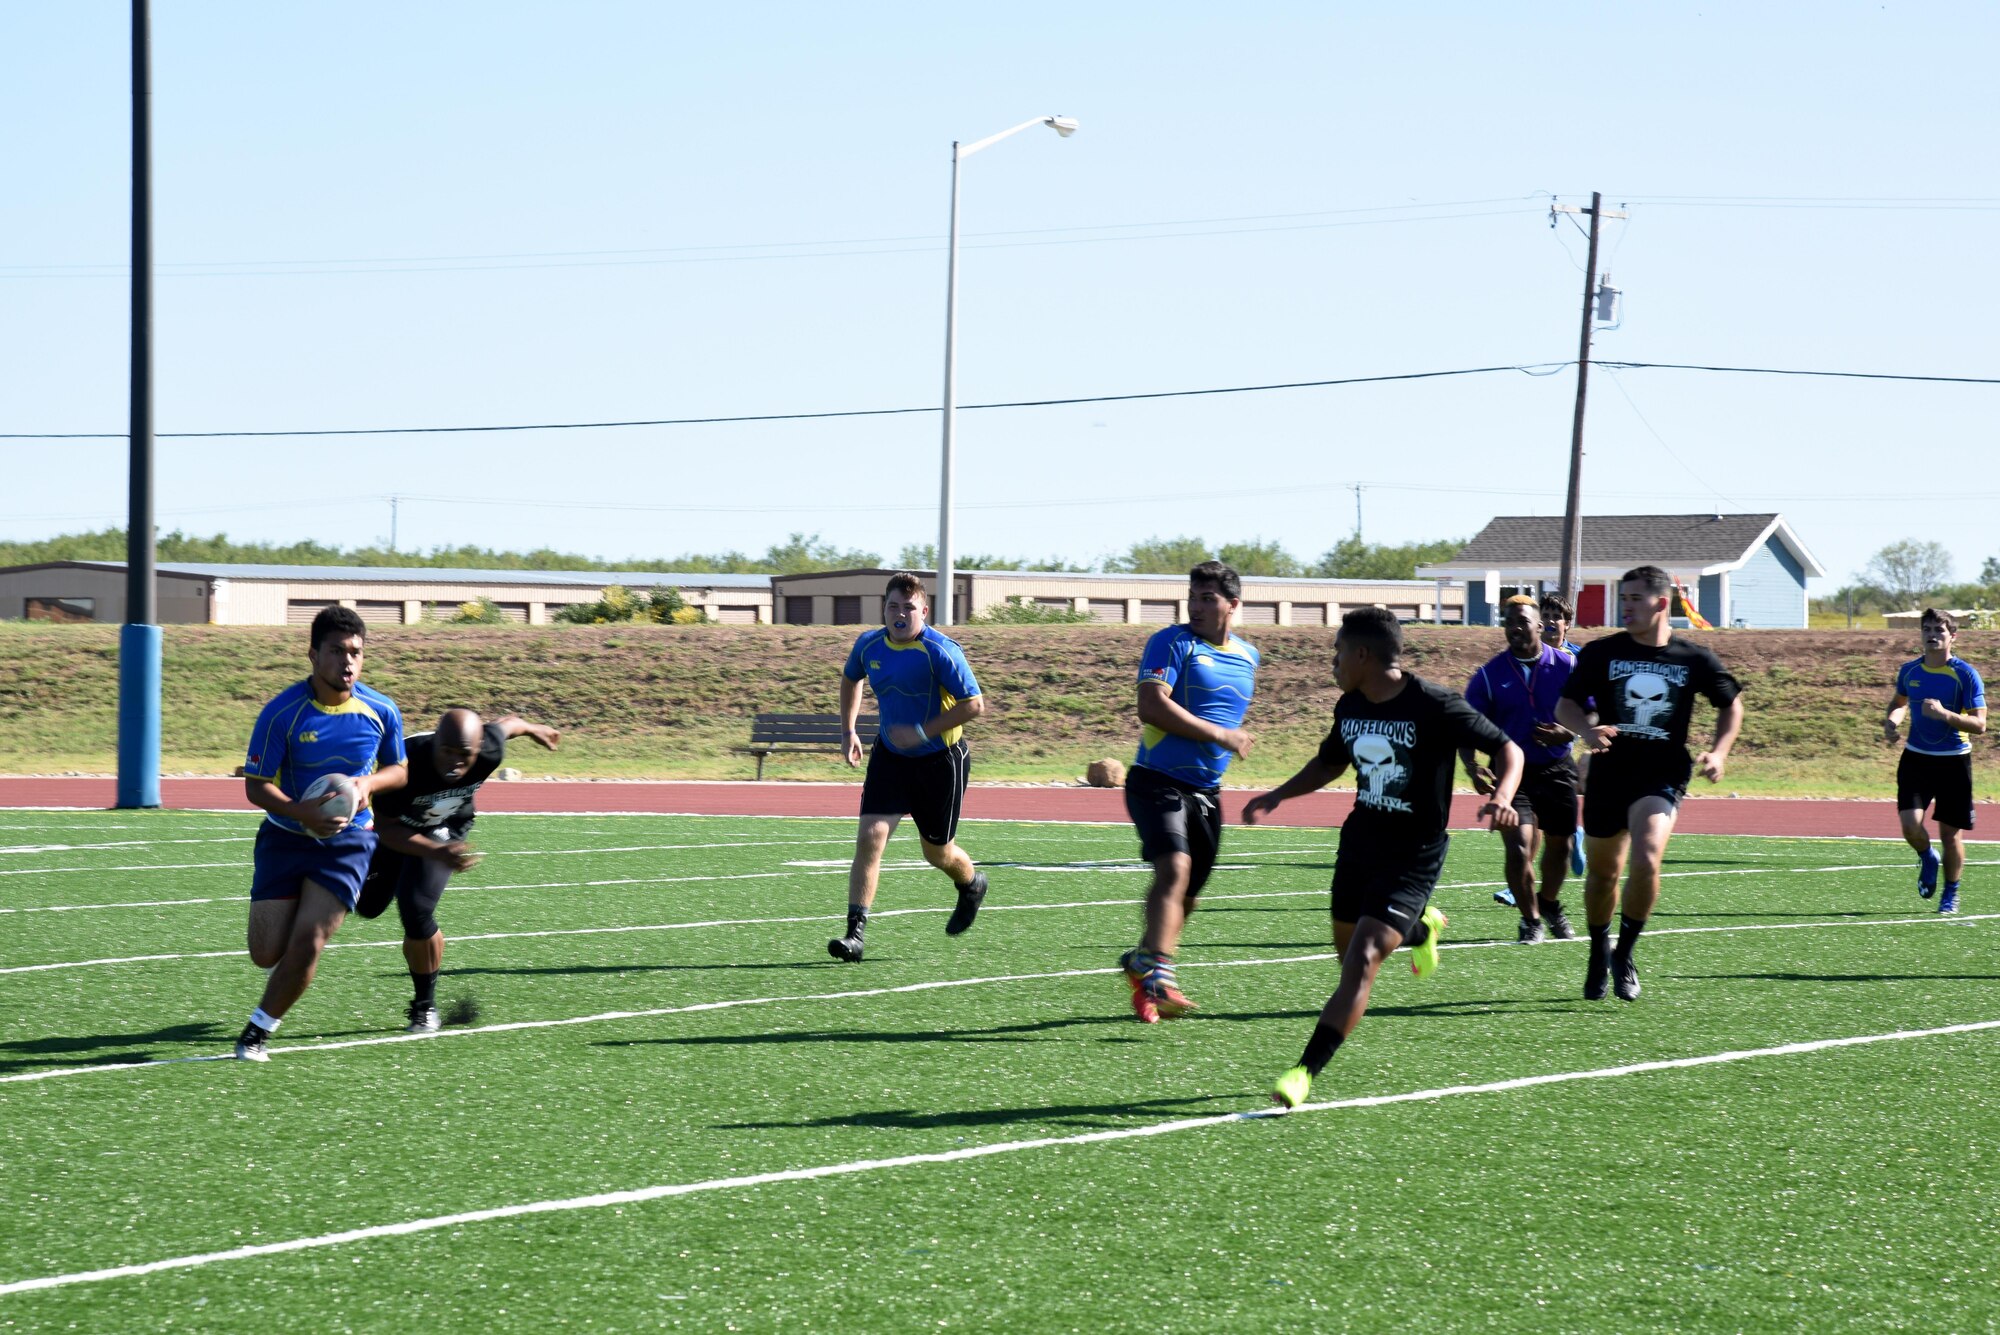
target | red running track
[{"x": 1700, "y": 815}]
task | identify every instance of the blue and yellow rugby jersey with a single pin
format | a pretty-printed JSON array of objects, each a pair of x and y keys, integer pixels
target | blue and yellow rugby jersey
[
  {"x": 1957, "y": 687},
  {"x": 912, "y": 682},
  {"x": 297, "y": 739},
  {"x": 1213, "y": 682}
]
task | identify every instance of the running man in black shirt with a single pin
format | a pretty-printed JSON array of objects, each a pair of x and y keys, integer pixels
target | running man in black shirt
[
  {"x": 1402, "y": 735},
  {"x": 1630, "y": 699},
  {"x": 423, "y": 836}
]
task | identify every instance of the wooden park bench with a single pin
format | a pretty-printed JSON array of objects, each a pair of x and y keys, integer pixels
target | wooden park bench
[{"x": 801, "y": 733}]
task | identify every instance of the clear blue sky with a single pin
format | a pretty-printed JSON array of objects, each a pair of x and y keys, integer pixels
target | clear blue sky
[{"x": 454, "y": 213}]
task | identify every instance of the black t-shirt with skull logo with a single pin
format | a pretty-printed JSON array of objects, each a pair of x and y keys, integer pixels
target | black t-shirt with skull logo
[
  {"x": 1404, "y": 752},
  {"x": 1648, "y": 693},
  {"x": 432, "y": 805}
]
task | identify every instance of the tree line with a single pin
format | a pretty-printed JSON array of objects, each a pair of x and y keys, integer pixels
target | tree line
[{"x": 800, "y": 553}]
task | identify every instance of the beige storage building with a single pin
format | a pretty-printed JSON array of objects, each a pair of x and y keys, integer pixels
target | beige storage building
[
  {"x": 275, "y": 595},
  {"x": 854, "y": 597}
]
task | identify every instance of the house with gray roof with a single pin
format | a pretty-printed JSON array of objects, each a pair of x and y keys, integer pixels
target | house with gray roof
[{"x": 1742, "y": 570}]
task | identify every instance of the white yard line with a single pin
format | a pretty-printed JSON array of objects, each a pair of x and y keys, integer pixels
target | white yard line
[
  {"x": 125, "y": 843},
  {"x": 663, "y": 1191},
  {"x": 886, "y": 913},
  {"x": 934, "y": 985},
  {"x": 171, "y": 866}
]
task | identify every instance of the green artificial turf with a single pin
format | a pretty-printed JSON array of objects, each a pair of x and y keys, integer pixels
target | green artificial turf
[{"x": 1850, "y": 1187}]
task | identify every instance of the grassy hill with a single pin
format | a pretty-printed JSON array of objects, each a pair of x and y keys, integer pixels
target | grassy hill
[{"x": 670, "y": 702}]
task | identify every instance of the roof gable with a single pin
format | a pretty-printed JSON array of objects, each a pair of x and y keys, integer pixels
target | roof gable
[{"x": 1628, "y": 540}]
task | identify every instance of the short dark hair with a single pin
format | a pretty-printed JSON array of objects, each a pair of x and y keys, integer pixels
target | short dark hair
[
  {"x": 906, "y": 583},
  {"x": 336, "y": 623},
  {"x": 1655, "y": 580},
  {"x": 1226, "y": 580},
  {"x": 1376, "y": 627},
  {"x": 1942, "y": 617},
  {"x": 1554, "y": 608}
]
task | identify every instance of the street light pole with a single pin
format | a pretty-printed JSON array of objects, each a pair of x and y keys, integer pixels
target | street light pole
[{"x": 941, "y": 610}]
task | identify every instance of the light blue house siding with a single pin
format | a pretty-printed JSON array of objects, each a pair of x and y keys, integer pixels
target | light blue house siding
[
  {"x": 1708, "y": 597},
  {"x": 1768, "y": 591}
]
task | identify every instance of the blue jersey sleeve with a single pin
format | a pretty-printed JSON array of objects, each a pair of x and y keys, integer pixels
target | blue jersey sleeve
[
  {"x": 1975, "y": 687},
  {"x": 857, "y": 666},
  {"x": 954, "y": 674},
  {"x": 391, "y": 750},
  {"x": 1903, "y": 680},
  {"x": 1165, "y": 652},
  {"x": 269, "y": 740}
]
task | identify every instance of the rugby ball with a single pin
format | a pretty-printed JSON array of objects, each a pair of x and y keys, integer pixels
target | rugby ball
[{"x": 346, "y": 796}]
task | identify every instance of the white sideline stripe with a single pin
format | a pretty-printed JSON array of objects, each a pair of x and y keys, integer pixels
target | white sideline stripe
[
  {"x": 897, "y": 913},
  {"x": 934, "y": 985},
  {"x": 664, "y": 1191},
  {"x": 171, "y": 866},
  {"x": 125, "y": 843}
]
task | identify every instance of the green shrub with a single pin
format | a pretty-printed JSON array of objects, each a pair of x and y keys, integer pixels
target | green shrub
[
  {"x": 1018, "y": 611},
  {"x": 479, "y": 612},
  {"x": 618, "y": 605}
]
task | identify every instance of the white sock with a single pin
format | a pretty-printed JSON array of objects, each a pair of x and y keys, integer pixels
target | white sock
[{"x": 268, "y": 1023}]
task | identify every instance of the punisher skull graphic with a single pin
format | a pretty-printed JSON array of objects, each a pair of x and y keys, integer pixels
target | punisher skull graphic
[
  {"x": 1375, "y": 758},
  {"x": 1647, "y": 700}
]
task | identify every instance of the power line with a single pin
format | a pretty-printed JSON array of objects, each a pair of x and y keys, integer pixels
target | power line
[
  {"x": 1530, "y": 368},
  {"x": 1526, "y": 368}
]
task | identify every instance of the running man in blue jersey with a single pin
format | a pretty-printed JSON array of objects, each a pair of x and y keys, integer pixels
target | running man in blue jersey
[
  {"x": 1195, "y": 684},
  {"x": 925, "y": 694},
  {"x": 309, "y": 865},
  {"x": 1936, "y": 768},
  {"x": 1557, "y": 617},
  {"x": 1517, "y": 690}
]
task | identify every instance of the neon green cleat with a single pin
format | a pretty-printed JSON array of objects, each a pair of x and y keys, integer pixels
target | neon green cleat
[
  {"x": 1292, "y": 1088},
  {"x": 1424, "y": 958}
]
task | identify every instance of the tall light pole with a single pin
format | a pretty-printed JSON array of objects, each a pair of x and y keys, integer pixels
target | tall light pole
[
  {"x": 942, "y": 603},
  {"x": 139, "y": 639}
]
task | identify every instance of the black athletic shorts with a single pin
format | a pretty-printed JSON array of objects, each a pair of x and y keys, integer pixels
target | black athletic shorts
[
  {"x": 1387, "y": 882},
  {"x": 1174, "y": 817},
  {"x": 1607, "y": 804},
  {"x": 1548, "y": 795},
  {"x": 1946, "y": 781},
  {"x": 929, "y": 789},
  {"x": 415, "y": 884}
]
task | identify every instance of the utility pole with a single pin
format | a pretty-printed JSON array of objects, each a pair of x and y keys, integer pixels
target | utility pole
[
  {"x": 392, "y": 521},
  {"x": 139, "y": 640},
  {"x": 1357, "y": 512},
  {"x": 1572, "y": 540}
]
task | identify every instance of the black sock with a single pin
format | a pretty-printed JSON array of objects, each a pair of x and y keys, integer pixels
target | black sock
[
  {"x": 857, "y": 919},
  {"x": 1417, "y": 935},
  {"x": 1628, "y": 932},
  {"x": 427, "y": 986},
  {"x": 1550, "y": 905},
  {"x": 1320, "y": 1048},
  {"x": 968, "y": 884},
  {"x": 1600, "y": 938}
]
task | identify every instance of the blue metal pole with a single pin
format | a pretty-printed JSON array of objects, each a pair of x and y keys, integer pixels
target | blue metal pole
[{"x": 139, "y": 648}]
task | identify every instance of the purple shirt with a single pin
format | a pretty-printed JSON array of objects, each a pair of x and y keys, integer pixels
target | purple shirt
[{"x": 1517, "y": 694}]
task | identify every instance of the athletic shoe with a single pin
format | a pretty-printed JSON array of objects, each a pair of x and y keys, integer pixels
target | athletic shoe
[
  {"x": 1424, "y": 958},
  {"x": 1597, "y": 974},
  {"x": 1576, "y": 856},
  {"x": 1557, "y": 923},
  {"x": 423, "y": 1018},
  {"x": 1133, "y": 962},
  {"x": 846, "y": 949},
  {"x": 1292, "y": 1088},
  {"x": 250, "y": 1044},
  {"x": 1624, "y": 976},
  {"x": 1504, "y": 897},
  {"x": 1531, "y": 932},
  {"x": 969, "y": 900},
  {"x": 1927, "y": 873},
  {"x": 1948, "y": 902}
]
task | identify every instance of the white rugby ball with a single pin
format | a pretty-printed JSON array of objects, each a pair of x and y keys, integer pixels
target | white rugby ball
[{"x": 346, "y": 796}]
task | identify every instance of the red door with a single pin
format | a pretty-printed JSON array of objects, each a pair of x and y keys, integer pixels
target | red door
[{"x": 1590, "y": 605}]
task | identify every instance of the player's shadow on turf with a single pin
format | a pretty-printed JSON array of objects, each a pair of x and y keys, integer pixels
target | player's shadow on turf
[
  {"x": 635, "y": 968},
  {"x": 101, "y": 1049},
  {"x": 1065, "y": 1114},
  {"x": 1002, "y": 1033},
  {"x": 1472, "y": 1009}
]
